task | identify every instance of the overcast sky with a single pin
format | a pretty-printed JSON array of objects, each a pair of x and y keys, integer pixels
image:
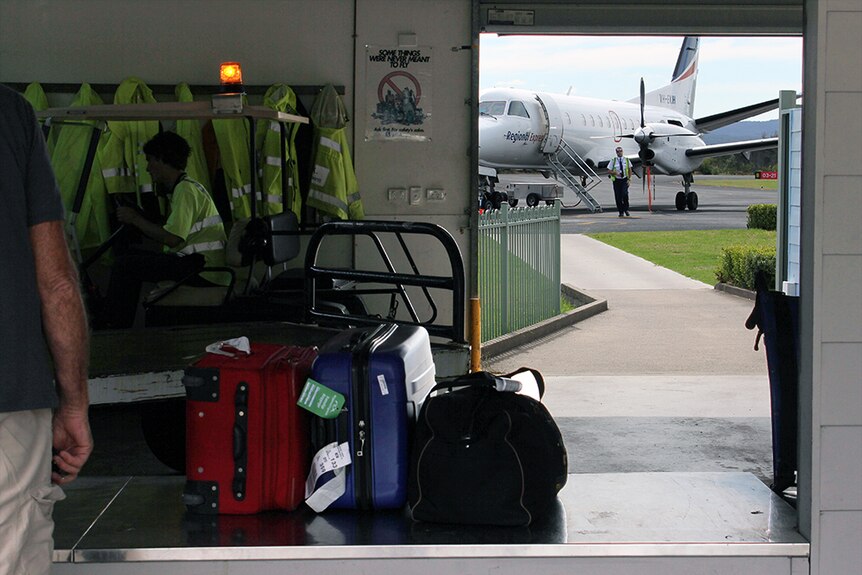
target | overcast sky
[{"x": 733, "y": 71}]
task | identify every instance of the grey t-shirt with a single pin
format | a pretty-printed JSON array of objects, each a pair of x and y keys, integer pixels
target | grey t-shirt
[{"x": 28, "y": 196}]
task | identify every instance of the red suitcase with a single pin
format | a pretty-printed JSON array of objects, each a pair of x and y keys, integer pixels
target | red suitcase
[{"x": 247, "y": 442}]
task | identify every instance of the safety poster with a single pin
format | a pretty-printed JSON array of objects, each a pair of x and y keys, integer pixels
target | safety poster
[{"x": 398, "y": 85}]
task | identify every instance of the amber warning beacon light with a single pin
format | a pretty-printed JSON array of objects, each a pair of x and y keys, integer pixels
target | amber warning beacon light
[{"x": 229, "y": 101}]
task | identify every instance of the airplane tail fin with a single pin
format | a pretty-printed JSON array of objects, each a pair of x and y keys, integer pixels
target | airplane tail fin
[{"x": 679, "y": 94}]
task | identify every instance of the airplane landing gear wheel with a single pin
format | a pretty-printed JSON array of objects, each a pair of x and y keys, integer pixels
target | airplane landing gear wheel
[
  {"x": 532, "y": 200},
  {"x": 691, "y": 201},
  {"x": 513, "y": 202},
  {"x": 680, "y": 201},
  {"x": 496, "y": 200}
]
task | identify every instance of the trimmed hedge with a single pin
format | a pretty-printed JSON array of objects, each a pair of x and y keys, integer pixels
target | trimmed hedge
[
  {"x": 762, "y": 216},
  {"x": 739, "y": 265}
]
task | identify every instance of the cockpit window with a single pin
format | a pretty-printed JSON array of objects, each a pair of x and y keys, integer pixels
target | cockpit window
[
  {"x": 517, "y": 108},
  {"x": 492, "y": 108}
]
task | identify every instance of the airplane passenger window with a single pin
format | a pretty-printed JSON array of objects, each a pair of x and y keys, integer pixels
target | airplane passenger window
[
  {"x": 584, "y": 119},
  {"x": 601, "y": 125},
  {"x": 493, "y": 108},
  {"x": 592, "y": 121},
  {"x": 517, "y": 108},
  {"x": 608, "y": 121}
]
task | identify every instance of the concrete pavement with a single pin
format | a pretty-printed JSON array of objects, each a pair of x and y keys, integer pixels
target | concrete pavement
[{"x": 665, "y": 380}]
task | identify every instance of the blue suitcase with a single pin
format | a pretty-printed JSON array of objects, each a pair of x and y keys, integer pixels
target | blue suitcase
[{"x": 385, "y": 372}]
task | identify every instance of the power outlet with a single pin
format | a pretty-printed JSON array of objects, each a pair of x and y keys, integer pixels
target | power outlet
[
  {"x": 397, "y": 195},
  {"x": 415, "y": 195},
  {"x": 435, "y": 194}
]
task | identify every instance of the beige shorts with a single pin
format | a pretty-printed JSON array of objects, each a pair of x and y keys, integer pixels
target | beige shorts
[{"x": 27, "y": 495}]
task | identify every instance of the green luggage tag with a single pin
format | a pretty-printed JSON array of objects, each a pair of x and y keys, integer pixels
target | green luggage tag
[{"x": 320, "y": 400}]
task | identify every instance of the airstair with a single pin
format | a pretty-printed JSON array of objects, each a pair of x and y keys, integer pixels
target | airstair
[{"x": 565, "y": 156}]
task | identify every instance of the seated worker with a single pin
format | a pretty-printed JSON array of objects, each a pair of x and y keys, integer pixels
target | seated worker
[{"x": 193, "y": 236}]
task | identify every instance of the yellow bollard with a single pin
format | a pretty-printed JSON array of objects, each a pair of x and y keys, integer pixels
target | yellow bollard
[{"x": 475, "y": 335}]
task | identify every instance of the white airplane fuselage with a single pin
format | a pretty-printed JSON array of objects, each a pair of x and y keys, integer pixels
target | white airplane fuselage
[{"x": 519, "y": 128}]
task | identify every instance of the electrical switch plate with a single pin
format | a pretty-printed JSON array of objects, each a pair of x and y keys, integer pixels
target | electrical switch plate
[
  {"x": 397, "y": 194},
  {"x": 435, "y": 194},
  {"x": 415, "y": 195}
]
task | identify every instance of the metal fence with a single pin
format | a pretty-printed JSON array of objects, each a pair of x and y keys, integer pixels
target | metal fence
[{"x": 519, "y": 267}]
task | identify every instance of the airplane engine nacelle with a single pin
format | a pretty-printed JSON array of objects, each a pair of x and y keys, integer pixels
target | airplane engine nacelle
[
  {"x": 646, "y": 155},
  {"x": 668, "y": 153}
]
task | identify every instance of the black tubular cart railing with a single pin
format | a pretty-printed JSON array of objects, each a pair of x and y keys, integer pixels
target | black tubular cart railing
[{"x": 396, "y": 282}]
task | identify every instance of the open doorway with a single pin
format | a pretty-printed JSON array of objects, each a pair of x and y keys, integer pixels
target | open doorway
[
  {"x": 725, "y": 423},
  {"x": 666, "y": 380}
]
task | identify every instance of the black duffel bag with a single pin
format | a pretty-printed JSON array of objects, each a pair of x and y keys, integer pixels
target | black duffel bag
[{"x": 485, "y": 454}]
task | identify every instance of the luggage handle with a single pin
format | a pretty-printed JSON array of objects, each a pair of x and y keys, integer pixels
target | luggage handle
[
  {"x": 506, "y": 382},
  {"x": 240, "y": 440}
]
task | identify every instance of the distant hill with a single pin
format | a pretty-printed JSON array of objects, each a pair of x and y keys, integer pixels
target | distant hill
[{"x": 742, "y": 131}]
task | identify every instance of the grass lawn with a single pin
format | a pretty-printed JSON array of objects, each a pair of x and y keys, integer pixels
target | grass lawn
[
  {"x": 751, "y": 184},
  {"x": 694, "y": 253}
]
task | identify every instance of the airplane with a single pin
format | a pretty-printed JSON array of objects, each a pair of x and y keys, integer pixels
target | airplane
[{"x": 574, "y": 137}]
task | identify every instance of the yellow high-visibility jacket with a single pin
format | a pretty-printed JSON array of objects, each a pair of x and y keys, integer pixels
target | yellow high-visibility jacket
[
  {"x": 334, "y": 190},
  {"x": 282, "y": 98},
  {"x": 197, "y": 168},
  {"x": 70, "y": 152},
  {"x": 124, "y": 164},
  {"x": 233, "y": 141},
  {"x": 35, "y": 94}
]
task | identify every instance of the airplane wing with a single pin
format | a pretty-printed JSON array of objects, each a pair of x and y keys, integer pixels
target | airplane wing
[
  {"x": 709, "y": 123},
  {"x": 731, "y": 148}
]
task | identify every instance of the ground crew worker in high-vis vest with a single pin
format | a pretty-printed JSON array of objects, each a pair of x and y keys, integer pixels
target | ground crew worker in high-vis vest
[
  {"x": 620, "y": 170},
  {"x": 282, "y": 98},
  {"x": 193, "y": 236},
  {"x": 334, "y": 190},
  {"x": 92, "y": 224}
]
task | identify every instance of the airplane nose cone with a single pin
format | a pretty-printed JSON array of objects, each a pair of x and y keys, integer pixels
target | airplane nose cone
[{"x": 490, "y": 132}]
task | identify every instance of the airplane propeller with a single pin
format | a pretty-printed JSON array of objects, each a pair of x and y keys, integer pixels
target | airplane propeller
[
  {"x": 643, "y": 140},
  {"x": 643, "y": 98},
  {"x": 644, "y": 136}
]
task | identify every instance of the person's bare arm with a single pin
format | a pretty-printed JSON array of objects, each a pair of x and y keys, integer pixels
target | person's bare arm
[
  {"x": 65, "y": 326},
  {"x": 152, "y": 230}
]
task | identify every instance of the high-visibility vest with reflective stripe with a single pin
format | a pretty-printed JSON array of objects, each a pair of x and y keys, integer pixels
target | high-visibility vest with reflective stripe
[
  {"x": 194, "y": 218},
  {"x": 92, "y": 225},
  {"x": 232, "y": 136},
  {"x": 334, "y": 190},
  {"x": 190, "y": 130},
  {"x": 614, "y": 164},
  {"x": 124, "y": 164},
  {"x": 282, "y": 98}
]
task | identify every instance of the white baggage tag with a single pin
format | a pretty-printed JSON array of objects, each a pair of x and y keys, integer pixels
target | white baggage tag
[
  {"x": 384, "y": 389},
  {"x": 332, "y": 457},
  {"x": 328, "y": 492}
]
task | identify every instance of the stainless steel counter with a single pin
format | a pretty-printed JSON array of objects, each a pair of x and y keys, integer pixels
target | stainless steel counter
[{"x": 123, "y": 519}]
